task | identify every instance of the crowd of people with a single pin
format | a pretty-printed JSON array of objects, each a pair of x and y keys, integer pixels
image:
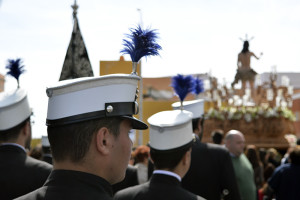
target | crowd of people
[
  {"x": 88, "y": 152},
  {"x": 92, "y": 156}
]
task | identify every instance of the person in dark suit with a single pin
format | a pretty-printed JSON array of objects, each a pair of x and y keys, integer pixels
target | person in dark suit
[
  {"x": 211, "y": 174},
  {"x": 284, "y": 182},
  {"x": 171, "y": 139},
  {"x": 19, "y": 173},
  {"x": 88, "y": 130}
]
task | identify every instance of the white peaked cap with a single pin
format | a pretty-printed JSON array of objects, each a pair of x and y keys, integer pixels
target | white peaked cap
[
  {"x": 170, "y": 129},
  {"x": 87, "y": 98},
  {"x": 194, "y": 106},
  {"x": 14, "y": 108},
  {"x": 45, "y": 141}
]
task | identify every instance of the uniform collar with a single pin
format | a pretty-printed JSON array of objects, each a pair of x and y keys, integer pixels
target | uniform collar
[
  {"x": 75, "y": 179},
  {"x": 14, "y": 144},
  {"x": 168, "y": 173},
  {"x": 232, "y": 155}
]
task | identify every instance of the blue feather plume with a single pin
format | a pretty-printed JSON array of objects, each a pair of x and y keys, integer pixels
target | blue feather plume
[
  {"x": 198, "y": 86},
  {"x": 183, "y": 85},
  {"x": 15, "y": 68},
  {"x": 141, "y": 43}
]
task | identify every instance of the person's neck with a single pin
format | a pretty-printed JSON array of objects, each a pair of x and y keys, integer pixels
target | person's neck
[{"x": 69, "y": 165}]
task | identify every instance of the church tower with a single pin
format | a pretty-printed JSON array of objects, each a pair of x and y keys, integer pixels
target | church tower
[{"x": 77, "y": 63}]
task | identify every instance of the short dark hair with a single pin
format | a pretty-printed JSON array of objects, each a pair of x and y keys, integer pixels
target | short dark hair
[
  {"x": 252, "y": 155},
  {"x": 217, "y": 136},
  {"x": 168, "y": 159},
  {"x": 72, "y": 141},
  {"x": 13, "y": 133},
  {"x": 141, "y": 153},
  {"x": 195, "y": 123},
  {"x": 295, "y": 155}
]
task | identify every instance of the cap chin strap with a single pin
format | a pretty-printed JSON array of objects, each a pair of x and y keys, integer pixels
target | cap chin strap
[{"x": 111, "y": 110}]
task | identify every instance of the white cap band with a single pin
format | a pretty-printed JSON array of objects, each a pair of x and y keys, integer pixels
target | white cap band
[{"x": 170, "y": 129}]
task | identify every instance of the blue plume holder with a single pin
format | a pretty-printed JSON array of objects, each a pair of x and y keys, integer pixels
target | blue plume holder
[
  {"x": 134, "y": 68},
  {"x": 181, "y": 106}
]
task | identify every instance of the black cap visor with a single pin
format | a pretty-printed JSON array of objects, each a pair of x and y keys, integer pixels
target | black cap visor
[{"x": 136, "y": 124}]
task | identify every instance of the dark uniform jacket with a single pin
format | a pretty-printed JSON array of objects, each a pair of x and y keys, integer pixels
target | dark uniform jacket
[
  {"x": 67, "y": 184},
  {"x": 19, "y": 173},
  {"x": 129, "y": 180},
  {"x": 160, "y": 187},
  {"x": 211, "y": 174}
]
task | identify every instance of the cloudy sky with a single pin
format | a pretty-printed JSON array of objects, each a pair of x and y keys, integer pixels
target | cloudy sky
[{"x": 197, "y": 36}]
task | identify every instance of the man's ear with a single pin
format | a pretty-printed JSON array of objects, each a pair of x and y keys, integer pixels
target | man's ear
[
  {"x": 103, "y": 142},
  {"x": 26, "y": 130},
  {"x": 199, "y": 125}
]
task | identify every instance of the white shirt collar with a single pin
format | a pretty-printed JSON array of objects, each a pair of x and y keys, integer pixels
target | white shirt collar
[
  {"x": 14, "y": 144},
  {"x": 167, "y": 173}
]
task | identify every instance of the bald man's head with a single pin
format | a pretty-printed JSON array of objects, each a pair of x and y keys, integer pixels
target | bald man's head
[{"x": 235, "y": 142}]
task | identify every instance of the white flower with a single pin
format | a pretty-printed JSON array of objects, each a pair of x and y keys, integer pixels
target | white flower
[
  {"x": 230, "y": 115},
  {"x": 248, "y": 117},
  {"x": 260, "y": 111},
  {"x": 271, "y": 113}
]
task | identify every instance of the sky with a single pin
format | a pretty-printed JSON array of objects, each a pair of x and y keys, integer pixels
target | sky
[{"x": 197, "y": 36}]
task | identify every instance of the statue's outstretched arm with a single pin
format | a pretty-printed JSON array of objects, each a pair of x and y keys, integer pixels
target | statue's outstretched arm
[{"x": 256, "y": 56}]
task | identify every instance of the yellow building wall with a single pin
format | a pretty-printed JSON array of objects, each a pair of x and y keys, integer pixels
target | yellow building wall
[
  {"x": 35, "y": 142},
  {"x": 2, "y": 79},
  {"x": 116, "y": 67}
]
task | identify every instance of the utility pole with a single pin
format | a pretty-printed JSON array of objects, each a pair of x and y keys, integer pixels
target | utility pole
[{"x": 140, "y": 141}]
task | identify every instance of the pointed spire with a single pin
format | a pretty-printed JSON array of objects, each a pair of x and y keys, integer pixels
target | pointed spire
[
  {"x": 77, "y": 63},
  {"x": 75, "y": 7}
]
